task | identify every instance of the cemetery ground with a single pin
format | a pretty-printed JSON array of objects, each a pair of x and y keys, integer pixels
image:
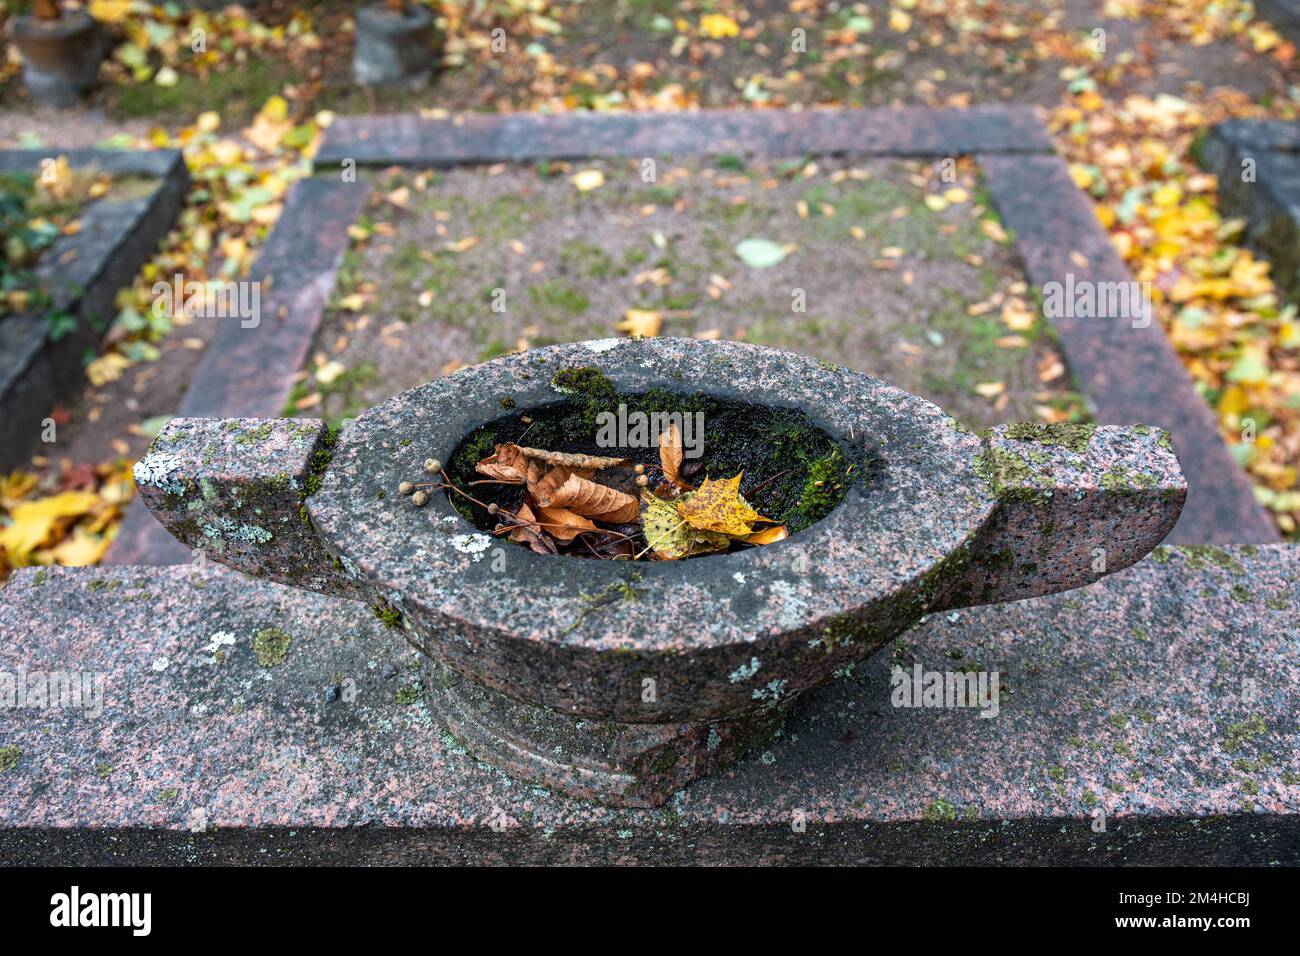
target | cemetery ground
[{"x": 249, "y": 114}]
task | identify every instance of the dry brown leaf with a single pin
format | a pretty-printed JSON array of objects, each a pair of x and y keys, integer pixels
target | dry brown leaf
[
  {"x": 587, "y": 498},
  {"x": 525, "y": 529},
  {"x": 568, "y": 460},
  {"x": 670, "y": 455},
  {"x": 494, "y": 467},
  {"x": 564, "y": 524}
]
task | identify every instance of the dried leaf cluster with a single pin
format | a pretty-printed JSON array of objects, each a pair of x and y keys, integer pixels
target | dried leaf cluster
[{"x": 606, "y": 507}]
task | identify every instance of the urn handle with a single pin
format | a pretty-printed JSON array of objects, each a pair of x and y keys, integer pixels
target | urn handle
[
  {"x": 236, "y": 489},
  {"x": 1075, "y": 502}
]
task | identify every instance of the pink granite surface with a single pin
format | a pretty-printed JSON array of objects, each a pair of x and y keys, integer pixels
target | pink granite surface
[{"x": 1165, "y": 696}]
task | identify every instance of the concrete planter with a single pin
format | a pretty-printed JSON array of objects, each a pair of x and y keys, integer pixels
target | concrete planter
[
  {"x": 395, "y": 49},
  {"x": 540, "y": 663},
  {"x": 60, "y": 57}
]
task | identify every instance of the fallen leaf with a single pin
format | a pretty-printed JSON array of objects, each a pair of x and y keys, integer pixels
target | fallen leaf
[
  {"x": 671, "y": 537},
  {"x": 718, "y": 26},
  {"x": 563, "y": 524},
  {"x": 670, "y": 455},
  {"x": 768, "y": 535},
  {"x": 525, "y": 529},
  {"x": 718, "y": 506},
  {"x": 585, "y": 497},
  {"x": 759, "y": 253},
  {"x": 643, "y": 322},
  {"x": 588, "y": 179},
  {"x": 33, "y": 521}
]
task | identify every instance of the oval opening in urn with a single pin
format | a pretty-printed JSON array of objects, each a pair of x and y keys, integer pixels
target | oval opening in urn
[{"x": 793, "y": 473}]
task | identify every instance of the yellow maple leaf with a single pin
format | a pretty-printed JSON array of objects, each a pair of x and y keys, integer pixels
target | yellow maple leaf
[
  {"x": 719, "y": 507},
  {"x": 34, "y": 520}
]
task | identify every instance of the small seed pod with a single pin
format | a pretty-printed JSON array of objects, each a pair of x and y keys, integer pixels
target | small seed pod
[
  {"x": 492, "y": 508},
  {"x": 420, "y": 498},
  {"x": 432, "y": 465},
  {"x": 405, "y": 488},
  {"x": 642, "y": 480},
  {"x": 639, "y": 469}
]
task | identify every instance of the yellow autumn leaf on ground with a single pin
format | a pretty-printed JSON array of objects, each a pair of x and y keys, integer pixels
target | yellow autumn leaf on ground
[
  {"x": 644, "y": 322},
  {"x": 55, "y": 179},
  {"x": 900, "y": 21},
  {"x": 719, "y": 507},
  {"x": 107, "y": 368},
  {"x": 81, "y": 549},
  {"x": 110, "y": 11},
  {"x": 588, "y": 179},
  {"x": 34, "y": 520},
  {"x": 718, "y": 26}
]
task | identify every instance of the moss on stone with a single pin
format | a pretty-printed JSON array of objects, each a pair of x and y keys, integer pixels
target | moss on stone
[
  {"x": 1009, "y": 475},
  {"x": 1201, "y": 556},
  {"x": 1072, "y": 436},
  {"x": 1242, "y": 732},
  {"x": 271, "y": 646},
  {"x": 386, "y": 615},
  {"x": 408, "y": 695},
  {"x": 939, "y": 811},
  {"x": 9, "y": 757}
]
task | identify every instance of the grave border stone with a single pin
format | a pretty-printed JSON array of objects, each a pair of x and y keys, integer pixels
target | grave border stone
[{"x": 116, "y": 239}]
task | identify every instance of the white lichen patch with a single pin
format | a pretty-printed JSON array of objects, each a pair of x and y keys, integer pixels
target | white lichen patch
[
  {"x": 219, "y": 640},
  {"x": 603, "y": 345},
  {"x": 744, "y": 671},
  {"x": 471, "y": 544},
  {"x": 160, "y": 664},
  {"x": 791, "y": 612},
  {"x": 223, "y": 527},
  {"x": 740, "y": 578},
  {"x": 158, "y": 470},
  {"x": 772, "y": 690}
]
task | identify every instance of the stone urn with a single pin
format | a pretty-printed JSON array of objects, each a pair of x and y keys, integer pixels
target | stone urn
[
  {"x": 624, "y": 680},
  {"x": 61, "y": 56},
  {"x": 396, "y": 45}
]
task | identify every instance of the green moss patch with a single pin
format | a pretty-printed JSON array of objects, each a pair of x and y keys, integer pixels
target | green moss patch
[{"x": 271, "y": 646}]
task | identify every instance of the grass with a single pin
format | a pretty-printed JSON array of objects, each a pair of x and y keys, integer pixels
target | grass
[{"x": 238, "y": 93}]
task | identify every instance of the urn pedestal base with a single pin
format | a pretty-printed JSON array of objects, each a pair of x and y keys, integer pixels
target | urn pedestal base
[{"x": 629, "y": 765}]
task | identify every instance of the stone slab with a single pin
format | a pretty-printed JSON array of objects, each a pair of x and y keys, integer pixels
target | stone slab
[
  {"x": 409, "y": 140},
  {"x": 1164, "y": 696},
  {"x": 248, "y": 372},
  {"x": 1129, "y": 374},
  {"x": 82, "y": 274},
  {"x": 1270, "y": 203}
]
